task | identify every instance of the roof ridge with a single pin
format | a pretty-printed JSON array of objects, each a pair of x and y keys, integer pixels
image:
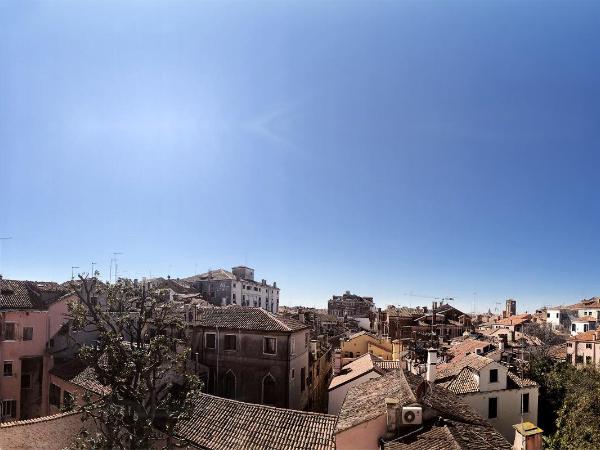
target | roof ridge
[
  {"x": 16, "y": 423},
  {"x": 260, "y": 405},
  {"x": 273, "y": 317}
]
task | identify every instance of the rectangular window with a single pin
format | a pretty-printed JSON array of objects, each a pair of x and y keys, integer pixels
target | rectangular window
[
  {"x": 230, "y": 342},
  {"x": 27, "y": 333},
  {"x": 573, "y": 327},
  {"x": 54, "y": 395},
  {"x": 492, "y": 408},
  {"x": 293, "y": 373},
  {"x": 25, "y": 381},
  {"x": 9, "y": 408},
  {"x": 588, "y": 359},
  {"x": 525, "y": 403},
  {"x": 293, "y": 346},
  {"x": 270, "y": 345},
  {"x": 9, "y": 331},
  {"x": 579, "y": 359},
  {"x": 8, "y": 369},
  {"x": 548, "y": 315},
  {"x": 210, "y": 340},
  {"x": 68, "y": 401},
  {"x": 493, "y": 375},
  {"x": 588, "y": 345},
  {"x": 569, "y": 345},
  {"x": 570, "y": 358},
  {"x": 302, "y": 379}
]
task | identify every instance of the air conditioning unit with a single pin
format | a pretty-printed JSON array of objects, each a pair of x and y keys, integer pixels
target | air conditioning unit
[{"x": 412, "y": 415}]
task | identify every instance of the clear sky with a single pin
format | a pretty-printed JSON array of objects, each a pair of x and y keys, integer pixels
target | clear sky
[{"x": 439, "y": 148}]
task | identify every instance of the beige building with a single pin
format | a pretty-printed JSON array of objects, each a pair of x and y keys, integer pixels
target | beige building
[
  {"x": 498, "y": 394},
  {"x": 361, "y": 343},
  {"x": 401, "y": 411}
]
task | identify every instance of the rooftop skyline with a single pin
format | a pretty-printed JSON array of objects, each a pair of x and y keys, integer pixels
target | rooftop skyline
[{"x": 388, "y": 148}]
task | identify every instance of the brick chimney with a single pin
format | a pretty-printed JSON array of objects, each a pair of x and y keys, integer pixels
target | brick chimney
[
  {"x": 396, "y": 350},
  {"x": 527, "y": 437},
  {"x": 391, "y": 407},
  {"x": 431, "y": 365},
  {"x": 337, "y": 361}
]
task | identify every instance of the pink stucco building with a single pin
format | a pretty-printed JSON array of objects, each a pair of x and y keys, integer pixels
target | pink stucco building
[{"x": 31, "y": 313}]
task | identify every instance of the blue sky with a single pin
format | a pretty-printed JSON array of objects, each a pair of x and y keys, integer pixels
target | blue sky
[{"x": 439, "y": 148}]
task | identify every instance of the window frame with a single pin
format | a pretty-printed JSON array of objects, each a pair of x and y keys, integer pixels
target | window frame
[
  {"x": 494, "y": 414},
  {"x": 225, "y": 343},
  {"x": 24, "y": 333},
  {"x": 26, "y": 376},
  {"x": 214, "y": 336},
  {"x": 13, "y": 403},
  {"x": 52, "y": 396},
  {"x": 12, "y": 368},
  {"x": 495, "y": 378},
  {"x": 525, "y": 404},
  {"x": 14, "y": 333},
  {"x": 265, "y": 340}
]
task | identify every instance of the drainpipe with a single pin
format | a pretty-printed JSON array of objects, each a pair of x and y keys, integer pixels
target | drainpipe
[{"x": 287, "y": 376}]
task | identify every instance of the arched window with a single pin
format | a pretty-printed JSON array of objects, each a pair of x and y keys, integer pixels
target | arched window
[
  {"x": 269, "y": 396},
  {"x": 228, "y": 390}
]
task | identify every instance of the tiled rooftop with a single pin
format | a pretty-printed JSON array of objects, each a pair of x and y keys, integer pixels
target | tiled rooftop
[
  {"x": 246, "y": 318},
  {"x": 454, "y": 367},
  {"x": 221, "y": 424},
  {"x": 515, "y": 320},
  {"x": 585, "y": 336},
  {"x": 467, "y": 346},
  {"x": 454, "y": 435},
  {"x": 74, "y": 371},
  {"x": 366, "y": 401},
  {"x": 17, "y": 294},
  {"x": 357, "y": 368}
]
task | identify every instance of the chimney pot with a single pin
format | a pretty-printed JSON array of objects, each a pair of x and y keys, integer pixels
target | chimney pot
[{"x": 431, "y": 365}]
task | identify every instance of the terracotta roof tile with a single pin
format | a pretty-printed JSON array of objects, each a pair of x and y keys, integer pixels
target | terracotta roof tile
[
  {"x": 454, "y": 435},
  {"x": 246, "y": 318},
  {"x": 221, "y": 424},
  {"x": 74, "y": 371},
  {"x": 358, "y": 367}
]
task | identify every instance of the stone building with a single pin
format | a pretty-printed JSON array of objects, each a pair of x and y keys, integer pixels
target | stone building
[
  {"x": 351, "y": 306},
  {"x": 252, "y": 355},
  {"x": 238, "y": 287}
]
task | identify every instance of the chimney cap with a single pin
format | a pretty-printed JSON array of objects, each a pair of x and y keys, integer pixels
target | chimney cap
[{"x": 391, "y": 401}]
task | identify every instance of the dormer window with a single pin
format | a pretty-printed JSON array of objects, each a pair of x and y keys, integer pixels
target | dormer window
[{"x": 493, "y": 375}]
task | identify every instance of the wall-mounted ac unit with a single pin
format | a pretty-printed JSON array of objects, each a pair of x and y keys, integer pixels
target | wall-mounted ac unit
[{"x": 412, "y": 415}]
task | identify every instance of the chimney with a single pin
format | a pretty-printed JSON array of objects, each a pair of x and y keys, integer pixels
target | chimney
[
  {"x": 396, "y": 350},
  {"x": 337, "y": 361},
  {"x": 502, "y": 343},
  {"x": 391, "y": 408},
  {"x": 527, "y": 437},
  {"x": 431, "y": 365},
  {"x": 313, "y": 346}
]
